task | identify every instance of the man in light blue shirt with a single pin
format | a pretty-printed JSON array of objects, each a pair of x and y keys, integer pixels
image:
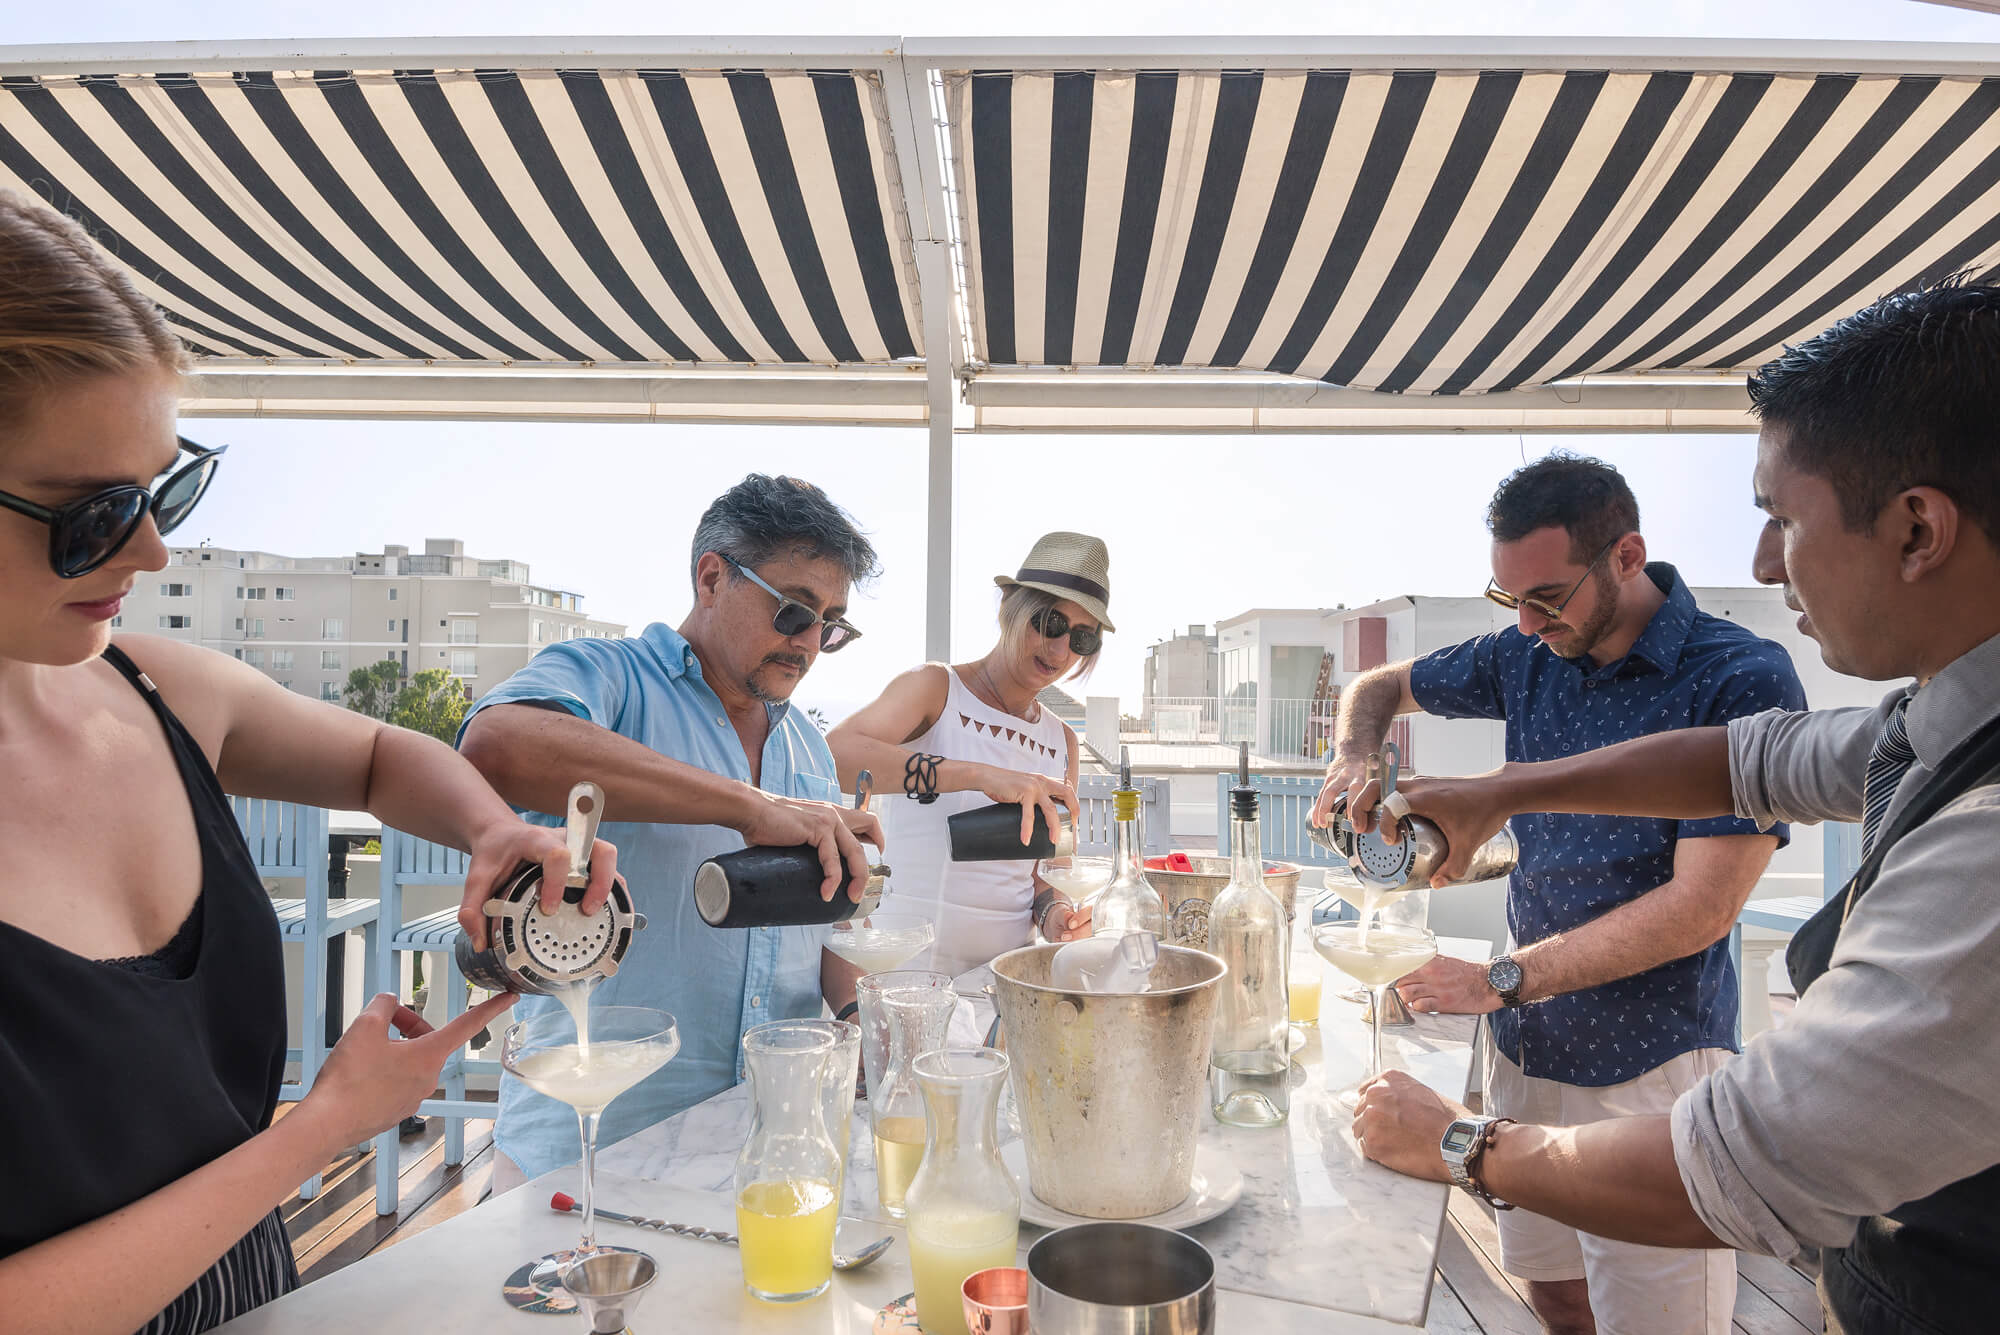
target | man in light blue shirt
[{"x": 690, "y": 733}]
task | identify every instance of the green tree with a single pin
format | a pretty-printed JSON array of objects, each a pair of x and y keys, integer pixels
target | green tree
[
  {"x": 371, "y": 690},
  {"x": 434, "y": 703}
]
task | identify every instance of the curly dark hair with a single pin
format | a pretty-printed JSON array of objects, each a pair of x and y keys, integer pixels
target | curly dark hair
[
  {"x": 1904, "y": 393},
  {"x": 763, "y": 515},
  {"x": 1586, "y": 497}
]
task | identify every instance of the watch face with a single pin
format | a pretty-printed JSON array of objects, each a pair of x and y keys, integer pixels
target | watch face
[
  {"x": 1459, "y": 1139},
  {"x": 1504, "y": 975}
]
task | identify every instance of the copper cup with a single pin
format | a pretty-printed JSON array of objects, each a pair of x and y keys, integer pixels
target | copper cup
[{"x": 996, "y": 1301}]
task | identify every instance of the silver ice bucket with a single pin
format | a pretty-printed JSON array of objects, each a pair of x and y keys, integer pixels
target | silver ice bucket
[{"x": 1111, "y": 1087}]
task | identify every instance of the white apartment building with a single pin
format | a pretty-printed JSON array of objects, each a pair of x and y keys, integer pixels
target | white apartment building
[{"x": 306, "y": 621}]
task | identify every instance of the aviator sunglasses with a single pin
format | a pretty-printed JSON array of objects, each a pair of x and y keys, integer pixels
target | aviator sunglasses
[
  {"x": 1053, "y": 625},
  {"x": 795, "y": 618},
  {"x": 1548, "y": 611},
  {"x": 84, "y": 534}
]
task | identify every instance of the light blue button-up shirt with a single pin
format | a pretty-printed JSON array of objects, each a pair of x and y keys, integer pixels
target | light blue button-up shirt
[{"x": 715, "y": 983}]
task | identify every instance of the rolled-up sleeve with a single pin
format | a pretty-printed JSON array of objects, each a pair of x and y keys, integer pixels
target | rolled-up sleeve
[
  {"x": 1879, "y": 1089},
  {"x": 1791, "y": 765},
  {"x": 590, "y": 679}
]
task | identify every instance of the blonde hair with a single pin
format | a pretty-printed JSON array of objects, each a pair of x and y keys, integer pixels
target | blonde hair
[
  {"x": 68, "y": 311},
  {"x": 1020, "y": 605}
]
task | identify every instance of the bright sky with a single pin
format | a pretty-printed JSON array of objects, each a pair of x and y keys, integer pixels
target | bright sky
[{"x": 1199, "y": 528}]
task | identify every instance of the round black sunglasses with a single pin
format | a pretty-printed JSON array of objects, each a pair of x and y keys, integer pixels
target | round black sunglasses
[
  {"x": 1053, "y": 625},
  {"x": 795, "y": 618},
  {"x": 84, "y": 534}
]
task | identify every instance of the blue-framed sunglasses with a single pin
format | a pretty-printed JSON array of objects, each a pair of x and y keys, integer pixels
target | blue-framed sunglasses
[{"x": 84, "y": 534}]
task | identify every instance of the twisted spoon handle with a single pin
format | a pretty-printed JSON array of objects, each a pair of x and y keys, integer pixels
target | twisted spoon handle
[{"x": 562, "y": 1202}]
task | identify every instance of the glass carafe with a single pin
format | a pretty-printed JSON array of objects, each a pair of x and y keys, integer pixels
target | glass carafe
[
  {"x": 787, "y": 1177},
  {"x": 964, "y": 1209},
  {"x": 917, "y": 1019}
]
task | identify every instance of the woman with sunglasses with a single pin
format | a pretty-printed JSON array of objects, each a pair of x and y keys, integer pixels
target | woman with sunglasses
[
  {"x": 961, "y": 735},
  {"x": 142, "y": 1006}
]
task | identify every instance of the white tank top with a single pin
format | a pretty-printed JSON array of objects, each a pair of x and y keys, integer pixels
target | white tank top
[{"x": 982, "y": 908}]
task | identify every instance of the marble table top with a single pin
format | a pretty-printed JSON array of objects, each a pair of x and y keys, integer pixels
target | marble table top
[{"x": 1321, "y": 1241}]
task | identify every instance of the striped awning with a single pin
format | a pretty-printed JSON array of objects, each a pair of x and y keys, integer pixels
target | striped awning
[
  {"x": 1448, "y": 232},
  {"x": 489, "y": 217}
]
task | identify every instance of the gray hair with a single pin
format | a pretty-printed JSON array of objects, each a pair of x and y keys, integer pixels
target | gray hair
[
  {"x": 762, "y": 516},
  {"x": 1020, "y": 605}
]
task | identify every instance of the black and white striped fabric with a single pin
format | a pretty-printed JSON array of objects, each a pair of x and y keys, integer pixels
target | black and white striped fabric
[
  {"x": 258, "y": 1269},
  {"x": 1888, "y": 762},
  {"x": 1431, "y": 232},
  {"x": 489, "y": 216}
]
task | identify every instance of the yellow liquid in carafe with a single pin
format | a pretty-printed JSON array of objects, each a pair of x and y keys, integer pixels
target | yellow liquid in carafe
[
  {"x": 786, "y": 1230},
  {"x": 945, "y": 1249},
  {"x": 1303, "y": 986},
  {"x": 899, "y": 1149}
]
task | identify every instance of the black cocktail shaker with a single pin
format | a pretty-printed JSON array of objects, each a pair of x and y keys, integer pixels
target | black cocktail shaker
[
  {"x": 777, "y": 887},
  {"x": 993, "y": 834}
]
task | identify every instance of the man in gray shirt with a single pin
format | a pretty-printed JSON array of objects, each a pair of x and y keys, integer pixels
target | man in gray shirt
[{"x": 1866, "y": 1125}]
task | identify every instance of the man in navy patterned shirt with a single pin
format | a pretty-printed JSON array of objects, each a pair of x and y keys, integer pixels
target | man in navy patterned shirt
[{"x": 1617, "y": 993}]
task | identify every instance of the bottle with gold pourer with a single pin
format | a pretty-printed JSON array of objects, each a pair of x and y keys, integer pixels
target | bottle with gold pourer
[
  {"x": 1129, "y": 903},
  {"x": 1249, "y": 1061}
]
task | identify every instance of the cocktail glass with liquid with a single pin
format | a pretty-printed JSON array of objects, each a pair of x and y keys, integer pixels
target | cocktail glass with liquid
[
  {"x": 586, "y": 1058},
  {"x": 1375, "y": 956},
  {"x": 788, "y": 1175},
  {"x": 1076, "y": 877},
  {"x": 886, "y": 939}
]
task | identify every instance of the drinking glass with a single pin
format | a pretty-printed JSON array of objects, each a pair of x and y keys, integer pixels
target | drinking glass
[
  {"x": 918, "y": 1018},
  {"x": 1374, "y": 955},
  {"x": 1076, "y": 876},
  {"x": 786, "y": 1198},
  {"x": 619, "y": 1046}
]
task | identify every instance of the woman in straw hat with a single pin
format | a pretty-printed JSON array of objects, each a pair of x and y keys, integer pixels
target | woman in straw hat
[{"x": 957, "y": 736}]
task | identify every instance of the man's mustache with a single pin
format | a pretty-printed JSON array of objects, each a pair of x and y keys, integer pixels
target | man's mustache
[{"x": 798, "y": 661}]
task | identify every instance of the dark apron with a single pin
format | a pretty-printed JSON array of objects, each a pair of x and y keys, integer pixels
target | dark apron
[{"x": 1930, "y": 1267}]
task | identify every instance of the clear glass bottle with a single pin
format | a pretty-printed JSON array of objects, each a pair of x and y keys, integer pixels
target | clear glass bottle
[
  {"x": 917, "y": 1019},
  {"x": 965, "y": 1211},
  {"x": 787, "y": 1177},
  {"x": 1129, "y": 903},
  {"x": 1249, "y": 1062}
]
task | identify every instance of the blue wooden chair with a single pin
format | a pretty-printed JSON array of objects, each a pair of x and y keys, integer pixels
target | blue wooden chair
[
  {"x": 1094, "y": 822},
  {"x": 288, "y": 841},
  {"x": 406, "y": 861}
]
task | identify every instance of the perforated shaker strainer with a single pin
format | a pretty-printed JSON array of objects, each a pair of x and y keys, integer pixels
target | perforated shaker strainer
[{"x": 532, "y": 951}]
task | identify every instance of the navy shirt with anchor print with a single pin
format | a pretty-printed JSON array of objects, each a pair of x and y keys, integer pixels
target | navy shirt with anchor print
[{"x": 1687, "y": 669}]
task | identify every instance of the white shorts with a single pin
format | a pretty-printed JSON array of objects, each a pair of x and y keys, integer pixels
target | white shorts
[{"x": 1634, "y": 1290}]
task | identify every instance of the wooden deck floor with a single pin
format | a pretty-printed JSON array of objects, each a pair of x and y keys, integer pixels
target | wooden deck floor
[{"x": 1471, "y": 1297}]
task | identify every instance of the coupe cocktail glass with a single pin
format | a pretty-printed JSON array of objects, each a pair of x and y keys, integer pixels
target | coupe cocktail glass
[
  {"x": 619, "y": 1047},
  {"x": 1374, "y": 958},
  {"x": 884, "y": 940}
]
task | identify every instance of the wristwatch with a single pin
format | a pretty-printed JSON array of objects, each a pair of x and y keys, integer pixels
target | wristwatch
[
  {"x": 1504, "y": 977},
  {"x": 1461, "y": 1145}
]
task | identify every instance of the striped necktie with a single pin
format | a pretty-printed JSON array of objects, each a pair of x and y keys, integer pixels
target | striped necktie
[{"x": 1887, "y": 764}]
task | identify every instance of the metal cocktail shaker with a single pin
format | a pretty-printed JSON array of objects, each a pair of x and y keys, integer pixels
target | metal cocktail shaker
[
  {"x": 531, "y": 951},
  {"x": 778, "y": 887},
  {"x": 1421, "y": 848}
]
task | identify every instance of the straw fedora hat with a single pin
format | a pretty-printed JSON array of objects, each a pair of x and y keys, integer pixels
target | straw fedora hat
[{"x": 1075, "y": 566}]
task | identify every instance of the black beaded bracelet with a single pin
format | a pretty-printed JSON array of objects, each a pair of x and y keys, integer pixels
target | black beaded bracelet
[{"x": 920, "y": 777}]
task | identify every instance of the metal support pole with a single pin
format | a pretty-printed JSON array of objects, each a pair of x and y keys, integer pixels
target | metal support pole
[{"x": 934, "y": 265}]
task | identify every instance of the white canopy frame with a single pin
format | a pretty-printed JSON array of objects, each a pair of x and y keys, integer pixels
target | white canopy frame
[{"x": 947, "y": 391}]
